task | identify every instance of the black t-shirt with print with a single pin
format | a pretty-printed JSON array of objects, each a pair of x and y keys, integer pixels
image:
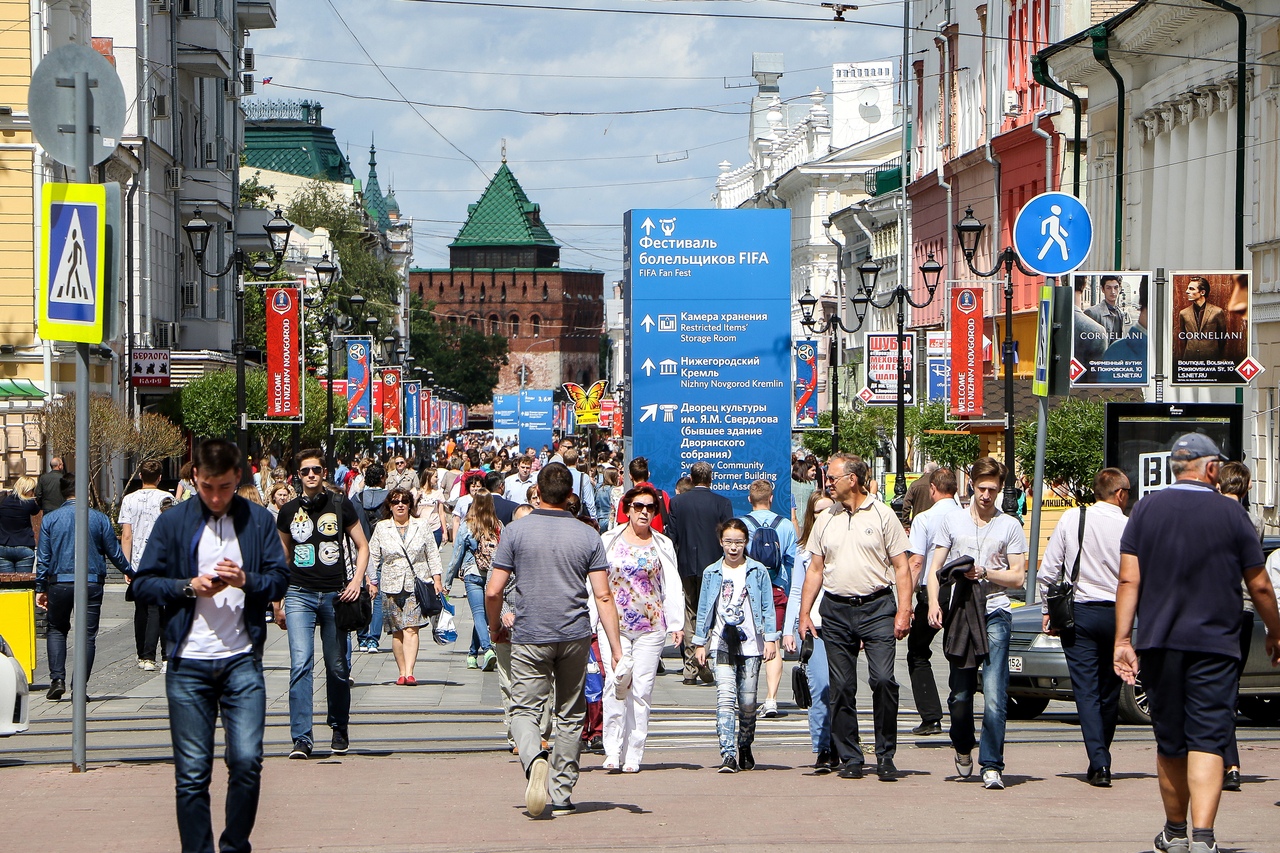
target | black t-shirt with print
[{"x": 311, "y": 525}]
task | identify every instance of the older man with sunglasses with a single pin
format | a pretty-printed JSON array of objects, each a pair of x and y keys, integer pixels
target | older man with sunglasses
[{"x": 313, "y": 528}]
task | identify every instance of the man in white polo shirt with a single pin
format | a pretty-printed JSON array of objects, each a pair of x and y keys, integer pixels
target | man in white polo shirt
[{"x": 860, "y": 562}]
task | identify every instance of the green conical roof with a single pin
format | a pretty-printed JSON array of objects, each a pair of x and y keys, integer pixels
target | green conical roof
[
  {"x": 374, "y": 202},
  {"x": 504, "y": 216}
]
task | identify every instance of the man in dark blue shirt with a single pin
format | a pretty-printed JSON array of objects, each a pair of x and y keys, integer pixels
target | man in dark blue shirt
[
  {"x": 56, "y": 576},
  {"x": 1182, "y": 558}
]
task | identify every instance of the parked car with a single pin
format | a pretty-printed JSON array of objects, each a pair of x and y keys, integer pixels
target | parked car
[
  {"x": 1038, "y": 672},
  {"x": 14, "y": 697}
]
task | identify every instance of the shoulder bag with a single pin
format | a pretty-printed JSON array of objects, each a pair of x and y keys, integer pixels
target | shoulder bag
[
  {"x": 350, "y": 615},
  {"x": 1060, "y": 597}
]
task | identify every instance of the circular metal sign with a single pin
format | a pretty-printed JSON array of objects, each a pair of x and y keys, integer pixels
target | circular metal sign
[{"x": 51, "y": 100}]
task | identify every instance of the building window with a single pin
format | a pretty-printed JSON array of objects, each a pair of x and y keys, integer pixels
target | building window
[
  {"x": 474, "y": 321},
  {"x": 442, "y": 291},
  {"x": 462, "y": 293},
  {"x": 493, "y": 324},
  {"x": 482, "y": 291},
  {"x": 524, "y": 291},
  {"x": 544, "y": 293},
  {"x": 515, "y": 325},
  {"x": 504, "y": 293},
  {"x": 536, "y": 323}
]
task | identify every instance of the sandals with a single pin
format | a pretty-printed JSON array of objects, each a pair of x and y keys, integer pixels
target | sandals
[{"x": 407, "y": 681}]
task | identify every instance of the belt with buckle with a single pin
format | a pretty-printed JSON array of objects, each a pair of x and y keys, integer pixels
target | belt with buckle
[{"x": 859, "y": 600}]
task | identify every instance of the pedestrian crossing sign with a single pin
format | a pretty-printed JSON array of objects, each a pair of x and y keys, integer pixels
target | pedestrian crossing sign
[{"x": 72, "y": 262}]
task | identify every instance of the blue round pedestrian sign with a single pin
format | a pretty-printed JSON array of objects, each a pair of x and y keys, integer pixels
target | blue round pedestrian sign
[{"x": 1053, "y": 234}]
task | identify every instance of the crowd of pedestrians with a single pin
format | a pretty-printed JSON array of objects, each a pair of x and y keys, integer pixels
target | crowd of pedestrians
[{"x": 568, "y": 566}]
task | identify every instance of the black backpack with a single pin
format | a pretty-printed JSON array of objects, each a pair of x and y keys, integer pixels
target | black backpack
[{"x": 765, "y": 547}]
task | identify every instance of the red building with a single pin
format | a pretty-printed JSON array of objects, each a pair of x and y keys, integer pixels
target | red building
[{"x": 504, "y": 277}]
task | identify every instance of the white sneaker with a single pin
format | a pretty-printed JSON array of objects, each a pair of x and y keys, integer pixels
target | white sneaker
[
  {"x": 147, "y": 665},
  {"x": 991, "y": 780},
  {"x": 769, "y": 708},
  {"x": 964, "y": 765},
  {"x": 535, "y": 793},
  {"x": 164, "y": 667}
]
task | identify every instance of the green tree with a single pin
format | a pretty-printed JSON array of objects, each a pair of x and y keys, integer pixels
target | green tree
[
  {"x": 860, "y": 429},
  {"x": 209, "y": 409},
  {"x": 954, "y": 451},
  {"x": 461, "y": 357},
  {"x": 1073, "y": 445}
]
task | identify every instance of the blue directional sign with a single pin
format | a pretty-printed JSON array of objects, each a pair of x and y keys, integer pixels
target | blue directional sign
[
  {"x": 506, "y": 417},
  {"x": 708, "y": 306},
  {"x": 1053, "y": 233},
  {"x": 536, "y": 412}
]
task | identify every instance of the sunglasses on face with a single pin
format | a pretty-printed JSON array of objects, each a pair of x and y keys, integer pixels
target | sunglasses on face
[
  {"x": 311, "y": 469},
  {"x": 642, "y": 507},
  {"x": 399, "y": 502}
]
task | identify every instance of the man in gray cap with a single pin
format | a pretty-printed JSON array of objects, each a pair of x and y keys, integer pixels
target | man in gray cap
[{"x": 1183, "y": 556}]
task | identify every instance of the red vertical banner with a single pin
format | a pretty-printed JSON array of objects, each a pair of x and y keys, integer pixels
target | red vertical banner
[
  {"x": 392, "y": 415},
  {"x": 425, "y": 402},
  {"x": 284, "y": 353},
  {"x": 966, "y": 351}
]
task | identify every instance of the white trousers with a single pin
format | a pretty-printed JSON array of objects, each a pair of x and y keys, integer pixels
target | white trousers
[{"x": 626, "y": 721}]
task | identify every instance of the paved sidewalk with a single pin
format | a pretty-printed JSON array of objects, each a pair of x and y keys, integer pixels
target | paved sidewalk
[{"x": 367, "y": 804}]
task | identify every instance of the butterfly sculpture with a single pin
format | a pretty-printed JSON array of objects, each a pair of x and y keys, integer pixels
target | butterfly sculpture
[{"x": 586, "y": 403}]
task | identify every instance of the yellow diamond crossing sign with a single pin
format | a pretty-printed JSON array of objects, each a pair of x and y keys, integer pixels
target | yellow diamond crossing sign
[{"x": 72, "y": 262}]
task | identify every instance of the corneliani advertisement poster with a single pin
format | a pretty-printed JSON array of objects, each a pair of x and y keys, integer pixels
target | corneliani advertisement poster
[
  {"x": 1109, "y": 342},
  {"x": 1210, "y": 321}
]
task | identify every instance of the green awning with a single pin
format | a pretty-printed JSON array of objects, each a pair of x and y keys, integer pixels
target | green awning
[{"x": 19, "y": 389}]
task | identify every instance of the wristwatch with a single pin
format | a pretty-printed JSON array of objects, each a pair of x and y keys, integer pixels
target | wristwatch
[{"x": 189, "y": 591}]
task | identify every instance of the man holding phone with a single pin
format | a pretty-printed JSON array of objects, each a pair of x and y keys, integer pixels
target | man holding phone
[{"x": 215, "y": 565}]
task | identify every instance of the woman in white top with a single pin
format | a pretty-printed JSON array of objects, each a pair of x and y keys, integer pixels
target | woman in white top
[
  {"x": 401, "y": 549},
  {"x": 430, "y": 500},
  {"x": 650, "y": 599}
]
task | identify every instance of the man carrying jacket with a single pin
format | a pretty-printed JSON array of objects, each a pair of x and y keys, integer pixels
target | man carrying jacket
[{"x": 215, "y": 565}]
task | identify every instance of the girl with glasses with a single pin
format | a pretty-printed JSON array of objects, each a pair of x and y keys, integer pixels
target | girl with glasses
[
  {"x": 650, "y": 600},
  {"x": 402, "y": 549},
  {"x": 738, "y": 623}
]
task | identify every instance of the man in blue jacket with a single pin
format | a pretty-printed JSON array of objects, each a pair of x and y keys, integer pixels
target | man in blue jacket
[
  {"x": 56, "y": 580},
  {"x": 215, "y": 565}
]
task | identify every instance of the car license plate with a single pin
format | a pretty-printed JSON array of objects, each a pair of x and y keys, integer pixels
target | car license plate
[{"x": 1015, "y": 663}]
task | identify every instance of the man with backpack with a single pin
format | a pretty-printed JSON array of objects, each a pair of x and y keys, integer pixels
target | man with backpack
[
  {"x": 772, "y": 543},
  {"x": 582, "y": 485}
]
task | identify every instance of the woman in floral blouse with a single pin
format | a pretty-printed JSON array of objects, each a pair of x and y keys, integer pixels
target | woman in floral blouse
[{"x": 650, "y": 601}]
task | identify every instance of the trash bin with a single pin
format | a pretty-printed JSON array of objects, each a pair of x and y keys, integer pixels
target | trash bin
[{"x": 18, "y": 617}]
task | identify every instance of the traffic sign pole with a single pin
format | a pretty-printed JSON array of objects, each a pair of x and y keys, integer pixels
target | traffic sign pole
[{"x": 80, "y": 675}]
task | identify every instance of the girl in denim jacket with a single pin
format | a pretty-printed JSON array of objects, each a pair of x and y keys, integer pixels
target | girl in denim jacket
[{"x": 736, "y": 619}]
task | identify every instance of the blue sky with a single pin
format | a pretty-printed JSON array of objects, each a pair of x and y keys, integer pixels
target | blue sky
[{"x": 466, "y": 66}]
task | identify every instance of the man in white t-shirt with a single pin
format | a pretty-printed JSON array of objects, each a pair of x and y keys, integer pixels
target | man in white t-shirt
[
  {"x": 217, "y": 594},
  {"x": 516, "y": 487},
  {"x": 138, "y": 513}
]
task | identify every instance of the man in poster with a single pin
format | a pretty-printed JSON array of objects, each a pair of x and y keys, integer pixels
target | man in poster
[
  {"x": 1209, "y": 342},
  {"x": 1108, "y": 313},
  {"x": 1110, "y": 343}
]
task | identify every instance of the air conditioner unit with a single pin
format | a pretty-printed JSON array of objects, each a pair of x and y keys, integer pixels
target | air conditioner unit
[
  {"x": 159, "y": 106},
  {"x": 248, "y": 59},
  {"x": 248, "y": 84},
  {"x": 230, "y": 89},
  {"x": 210, "y": 152},
  {"x": 190, "y": 298},
  {"x": 166, "y": 336},
  {"x": 1011, "y": 106},
  {"x": 173, "y": 179},
  {"x": 163, "y": 7},
  {"x": 229, "y": 162}
]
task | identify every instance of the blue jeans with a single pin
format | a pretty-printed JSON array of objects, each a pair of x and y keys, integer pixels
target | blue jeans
[
  {"x": 61, "y": 604},
  {"x": 820, "y": 691},
  {"x": 15, "y": 558},
  {"x": 197, "y": 690},
  {"x": 737, "y": 678},
  {"x": 995, "y": 690},
  {"x": 304, "y": 610},
  {"x": 480, "y": 622},
  {"x": 372, "y": 634}
]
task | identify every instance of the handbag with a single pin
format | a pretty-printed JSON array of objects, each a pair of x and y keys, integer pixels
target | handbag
[
  {"x": 428, "y": 599},
  {"x": 800, "y": 675},
  {"x": 1060, "y": 597}
]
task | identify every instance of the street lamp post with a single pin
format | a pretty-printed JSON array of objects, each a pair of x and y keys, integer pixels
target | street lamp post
[
  {"x": 832, "y": 324},
  {"x": 970, "y": 231},
  {"x": 278, "y": 230},
  {"x": 868, "y": 272}
]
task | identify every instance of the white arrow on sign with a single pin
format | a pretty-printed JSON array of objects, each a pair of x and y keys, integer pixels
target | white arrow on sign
[
  {"x": 648, "y": 367},
  {"x": 650, "y": 413},
  {"x": 647, "y": 225},
  {"x": 647, "y": 322}
]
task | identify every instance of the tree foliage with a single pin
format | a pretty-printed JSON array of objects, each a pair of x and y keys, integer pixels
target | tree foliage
[
  {"x": 956, "y": 452},
  {"x": 861, "y": 430},
  {"x": 1073, "y": 445},
  {"x": 209, "y": 408},
  {"x": 112, "y": 434},
  {"x": 461, "y": 357}
]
